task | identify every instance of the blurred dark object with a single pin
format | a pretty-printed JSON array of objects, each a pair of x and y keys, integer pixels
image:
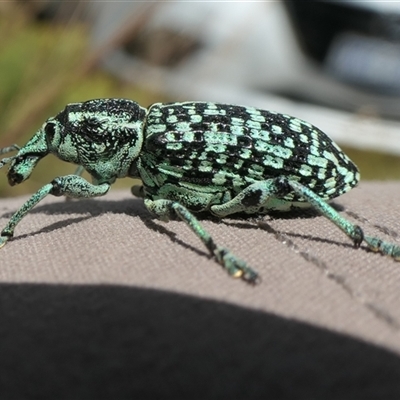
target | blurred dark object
[
  {"x": 357, "y": 43},
  {"x": 55, "y": 10}
]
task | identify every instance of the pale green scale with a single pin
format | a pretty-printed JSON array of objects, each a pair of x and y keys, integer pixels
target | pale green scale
[
  {"x": 171, "y": 119},
  {"x": 216, "y": 147},
  {"x": 219, "y": 179},
  {"x": 237, "y": 130},
  {"x": 218, "y": 139},
  {"x": 289, "y": 142},
  {"x": 330, "y": 156},
  {"x": 221, "y": 159},
  {"x": 257, "y": 170},
  {"x": 296, "y": 127},
  {"x": 331, "y": 191},
  {"x": 322, "y": 173},
  {"x": 276, "y": 129},
  {"x": 188, "y": 136},
  {"x": 238, "y": 182},
  {"x": 214, "y": 111},
  {"x": 317, "y": 161},
  {"x": 211, "y": 137},
  {"x": 194, "y": 155},
  {"x": 342, "y": 170},
  {"x": 174, "y": 146},
  {"x": 274, "y": 162},
  {"x": 245, "y": 153},
  {"x": 257, "y": 117},
  {"x": 349, "y": 177},
  {"x": 315, "y": 142},
  {"x": 255, "y": 135},
  {"x": 183, "y": 126},
  {"x": 203, "y": 156},
  {"x": 313, "y": 182},
  {"x": 237, "y": 121},
  {"x": 205, "y": 166},
  {"x": 303, "y": 138},
  {"x": 263, "y": 147},
  {"x": 170, "y": 136},
  {"x": 156, "y": 110},
  {"x": 265, "y": 135},
  {"x": 314, "y": 136},
  {"x": 75, "y": 117},
  {"x": 262, "y": 135},
  {"x": 196, "y": 118},
  {"x": 253, "y": 125},
  {"x": 314, "y": 151},
  {"x": 305, "y": 170},
  {"x": 188, "y": 165},
  {"x": 330, "y": 182},
  {"x": 239, "y": 164},
  {"x": 213, "y": 127},
  {"x": 278, "y": 151}
]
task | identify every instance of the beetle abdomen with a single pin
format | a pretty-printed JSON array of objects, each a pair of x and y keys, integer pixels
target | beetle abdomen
[{"x": 233, "y": 146}]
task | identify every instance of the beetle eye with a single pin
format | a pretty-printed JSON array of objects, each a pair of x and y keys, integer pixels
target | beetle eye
[{"x": 50, "y": 130}]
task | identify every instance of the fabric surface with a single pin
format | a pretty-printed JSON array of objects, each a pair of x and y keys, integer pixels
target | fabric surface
[{"x": 100, "y": 300}]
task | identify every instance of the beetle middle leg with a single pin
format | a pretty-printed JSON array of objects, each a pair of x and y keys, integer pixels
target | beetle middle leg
[{"x": 165, "y": 209}]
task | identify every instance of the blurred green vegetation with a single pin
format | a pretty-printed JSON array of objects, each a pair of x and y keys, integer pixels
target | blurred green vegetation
[{"x": 43, "y": 67}]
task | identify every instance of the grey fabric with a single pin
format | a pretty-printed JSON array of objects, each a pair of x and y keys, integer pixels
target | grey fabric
[{"x": 100, "y": 300}]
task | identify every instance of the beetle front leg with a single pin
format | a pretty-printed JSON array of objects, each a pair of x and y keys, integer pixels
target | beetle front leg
[
  {"x": 69, "y": 185},
  {"x": 235, "y": 267},
  {"x": 78, "y": 172}
]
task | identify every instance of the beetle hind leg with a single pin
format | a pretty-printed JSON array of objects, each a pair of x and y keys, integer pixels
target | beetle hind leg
[
  {"x": 353, "y": 231},
  {"x": 267, "y": 195}
]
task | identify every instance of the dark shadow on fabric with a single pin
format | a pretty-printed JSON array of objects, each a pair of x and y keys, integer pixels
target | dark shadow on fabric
[
  {"x": 135, "y": 206},
  {"x": 156, "y": 225},
  {"x": 93, "y": 207},
  {"x": 112, "y": 342}
]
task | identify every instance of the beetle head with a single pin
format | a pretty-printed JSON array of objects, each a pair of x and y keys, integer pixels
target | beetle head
[
  {"x": 103, "y": 135},
  {"x": 24, "y": 162}
]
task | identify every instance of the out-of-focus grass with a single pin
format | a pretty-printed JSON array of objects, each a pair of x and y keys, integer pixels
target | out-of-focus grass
[{"x": 38, "y": 77}]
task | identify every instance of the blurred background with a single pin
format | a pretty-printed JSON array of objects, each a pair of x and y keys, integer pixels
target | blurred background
[{"x": 334, "y": 64}]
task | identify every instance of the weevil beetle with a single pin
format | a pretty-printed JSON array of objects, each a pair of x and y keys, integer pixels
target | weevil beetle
[{"x": 193, "y": 157}]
